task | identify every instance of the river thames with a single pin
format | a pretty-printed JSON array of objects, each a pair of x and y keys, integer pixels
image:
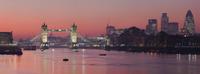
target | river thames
[{"x": 88, "y": 61}]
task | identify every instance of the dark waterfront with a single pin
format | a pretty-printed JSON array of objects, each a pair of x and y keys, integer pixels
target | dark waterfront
[{"x": 88, "y": 61}]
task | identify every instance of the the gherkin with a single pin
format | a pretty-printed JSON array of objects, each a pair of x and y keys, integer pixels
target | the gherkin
[{"x": 189, "y": 25}]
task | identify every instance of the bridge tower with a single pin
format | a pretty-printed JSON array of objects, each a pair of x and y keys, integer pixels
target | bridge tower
[
  {"x": 73, "y": 36},
  {"x": 44, "y": 37}
]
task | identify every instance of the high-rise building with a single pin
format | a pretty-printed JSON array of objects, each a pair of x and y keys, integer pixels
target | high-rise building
[
  {"x": 189, "y": 25},
  {"x": 173, "y": 28},
  {"x": 164, "y": 22},
  {"x": 151, "y": 28}
]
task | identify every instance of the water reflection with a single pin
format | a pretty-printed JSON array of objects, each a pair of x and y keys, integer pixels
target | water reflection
[
  {"x": 88, "y": 61},
  {"x": 178, "y": 57},
  {"x": 74, "y": 64},
  {"x": 83, "y": 62},
  {"x": 15, "y": 61},
  {"x": 190, "y": 58}
]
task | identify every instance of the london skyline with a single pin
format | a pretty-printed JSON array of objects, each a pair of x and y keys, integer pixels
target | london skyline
[{"x": 25, "y": 17}]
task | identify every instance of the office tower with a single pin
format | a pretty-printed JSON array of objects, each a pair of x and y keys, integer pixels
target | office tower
[
  {"x": 173, "y": 28},
  {"x": 189, "y": 25},
  {"x": 164, "y": 22},
  {"x": 151, "y": 28}
]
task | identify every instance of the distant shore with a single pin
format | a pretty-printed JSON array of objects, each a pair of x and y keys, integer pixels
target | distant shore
[
  {"x": 164, "y": 50},
  {"x": 11, "y": 50}
]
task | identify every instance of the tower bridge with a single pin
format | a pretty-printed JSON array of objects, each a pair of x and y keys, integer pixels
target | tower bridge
[
  {"x": 45, "y": 32},
  {"x": 43, "y": 39}
]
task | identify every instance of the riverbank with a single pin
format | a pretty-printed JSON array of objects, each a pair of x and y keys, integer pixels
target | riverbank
[
  {"x": 10, "y": 50},
  {"x": 163, "y": 50}
]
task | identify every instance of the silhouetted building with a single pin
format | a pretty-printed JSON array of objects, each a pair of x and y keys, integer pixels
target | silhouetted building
[
  {"x": 173, "y": 28},
  {"x": 151, "y": 28},
  {"x": 189, "y": 25},
  {"x": 132, "y": 36},
  {"x": 6, "y": 38},
  {"x": 112, "y": 35},
  {"x": 110, "y": 29},
  {"x": 164, "y": 22}
]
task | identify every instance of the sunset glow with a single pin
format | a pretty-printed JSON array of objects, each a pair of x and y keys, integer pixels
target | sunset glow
[{"x": 24, "y": 17}]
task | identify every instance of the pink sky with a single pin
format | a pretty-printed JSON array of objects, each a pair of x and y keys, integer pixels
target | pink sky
[{"x": 24, "y": 17}]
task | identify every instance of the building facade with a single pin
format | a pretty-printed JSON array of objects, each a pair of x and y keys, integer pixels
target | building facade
[
  {"x": 151, "y": 28},
  {"x": 164, "y": 22},
  {"x": 189, "y": 24},
  {"x": 173, "y": 28},
  {"x": 110, "y": 30},
  {"x": 112, "y": 35},
  {"x": 6, "y": 38}
]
